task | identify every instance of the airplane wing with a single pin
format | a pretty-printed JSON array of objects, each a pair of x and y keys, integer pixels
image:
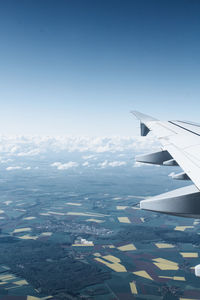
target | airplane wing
[{"x": 180, "y": 142}]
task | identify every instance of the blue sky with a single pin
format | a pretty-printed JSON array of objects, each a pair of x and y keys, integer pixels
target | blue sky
[{"x": 79, "y": 67}]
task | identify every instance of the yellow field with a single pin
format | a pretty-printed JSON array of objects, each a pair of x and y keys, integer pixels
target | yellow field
[
  {"x": 166, "y": 267},
  {"x": 143, "y": 274},
  {"x": 28, "y": 237},
  {"x": 119, "y": 207},
  {"x": 117, "y": 267},
  {"x": 128, "y": 247},
  {"x": 179, "y": 278},
  {"x": 7, "y": 277},
  {"x": 163, "y": 245},
  {"x": 187, "y": 299},
  {"x": 165, "y": 261},
  {"x": 182, "y": 228},
  {"x": 22, "y": 229},
  {"x": 124, "y": 220},
  {"x": 46, "y": 233},
  {"x": 133, "y": 288},
  {"x": 29, "y": 218},
  {"x": 21, "y": 282},
  {"x": 112, "y": 258},
  {"x": 189, "y": 254},
  {"x": 165, "y": 264}
]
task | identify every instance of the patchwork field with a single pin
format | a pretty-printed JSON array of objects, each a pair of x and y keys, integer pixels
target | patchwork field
[{"x": 75, "y": 236}]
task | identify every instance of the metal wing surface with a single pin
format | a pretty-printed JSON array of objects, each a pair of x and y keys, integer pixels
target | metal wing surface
[{"x": 181, "y": 146}]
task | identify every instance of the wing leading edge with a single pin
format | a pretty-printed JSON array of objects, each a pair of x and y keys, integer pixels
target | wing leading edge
[{"x": 180, "y": 147}]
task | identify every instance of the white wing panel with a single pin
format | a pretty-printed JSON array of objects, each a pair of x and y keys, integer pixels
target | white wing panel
[
  {"x": 194, "y": 153},
  {"x": 182, "y": 141},
  {"x": 194, "y": 128}
]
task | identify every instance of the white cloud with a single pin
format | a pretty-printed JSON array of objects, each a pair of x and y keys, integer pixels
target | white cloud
[
  {"x": 13, "y": 168},
  {"x": 113, "y": 164},
  {"x": 97, "y": 152},
  {"x": 117, "y": 163},
  {"x": 56, "y": 164},
  {"x": 32, "y": 152},
  {"x": 14, "y": 149},
  {"x": 65, "y": 166},
  {"x": 86, "y": 157},
  {"x": 121, "y": 155},
  {"x": 5, "y": 161},
  {"x": 103, "y": 164},
  {"x": 17, "y": 168}
]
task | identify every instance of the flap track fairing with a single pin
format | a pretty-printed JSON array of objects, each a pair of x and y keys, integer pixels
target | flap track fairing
[
  {"x": 183, "y": 202},
  {"x": 156, "y": 158}
]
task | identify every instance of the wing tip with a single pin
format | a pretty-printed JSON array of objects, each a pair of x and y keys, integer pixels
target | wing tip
[{"x": 142, "y": 117}]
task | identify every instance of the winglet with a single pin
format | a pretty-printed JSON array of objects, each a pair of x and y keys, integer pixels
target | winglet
[{"x": 144, "y": 130}]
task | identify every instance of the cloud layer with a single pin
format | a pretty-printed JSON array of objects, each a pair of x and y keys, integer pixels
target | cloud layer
[
  {"x": 113, "y": 164},
  {"x": 64, "y": 153},
  {"x": 65, "y": 166},
  {"x": 22, "y": 146}
]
